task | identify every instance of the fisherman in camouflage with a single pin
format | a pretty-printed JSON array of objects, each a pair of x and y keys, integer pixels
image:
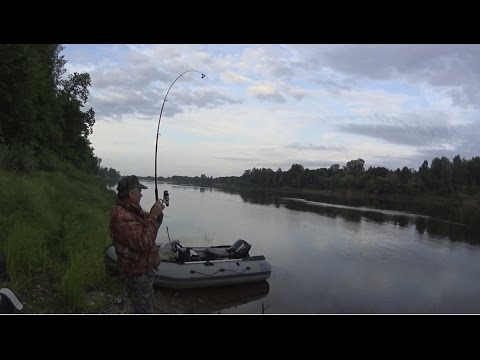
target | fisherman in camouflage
[{"x": 133, "y": 234}]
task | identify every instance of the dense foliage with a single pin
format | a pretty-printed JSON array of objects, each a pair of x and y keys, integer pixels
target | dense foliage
[
  {"x": 442, "y": 176},
  {"x": 41, "y": 109},
  {"x": 55, "y": 208}
]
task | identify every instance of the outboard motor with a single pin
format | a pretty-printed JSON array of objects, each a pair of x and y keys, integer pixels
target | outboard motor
[
  {"x": 9, "y": 302},
  {"x": 239, "y": 249},
  {"x": 183, "y": 255}
]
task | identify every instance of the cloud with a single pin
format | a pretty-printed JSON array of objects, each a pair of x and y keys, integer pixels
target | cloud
[
  {"x": 298, "y": 94},
  {"x": 311, "y": 147},
  {"x": 452, "y": 67},
  {"x": 411, "y": 129},
  {"x": 137, "y": 78},
  {"x": 234, "y": 78},
  {"x": 121, "y": 102},
  {"x": 467, "y": 147},
  {"x": 275, "y": 105},
  {"x": 266, "y": 92}
]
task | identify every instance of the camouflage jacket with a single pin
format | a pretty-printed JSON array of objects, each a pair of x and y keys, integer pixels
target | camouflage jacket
[{"x": 133, "y": 234}]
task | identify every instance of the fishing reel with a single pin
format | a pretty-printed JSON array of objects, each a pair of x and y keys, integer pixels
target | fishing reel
[{"x": 166, "y": 198}]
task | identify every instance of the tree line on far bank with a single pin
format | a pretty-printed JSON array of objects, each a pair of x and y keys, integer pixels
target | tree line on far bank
[{"x": 441, "y": 176}]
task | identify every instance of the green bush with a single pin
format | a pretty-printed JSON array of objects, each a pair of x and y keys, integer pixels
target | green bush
[{"x": 19, "y": 159}]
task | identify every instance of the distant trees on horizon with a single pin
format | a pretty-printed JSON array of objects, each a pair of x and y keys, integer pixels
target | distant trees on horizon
[{"x": 442, "y": 176}]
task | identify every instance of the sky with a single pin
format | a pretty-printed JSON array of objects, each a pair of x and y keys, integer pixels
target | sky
[{"x": 274, "y": 105}]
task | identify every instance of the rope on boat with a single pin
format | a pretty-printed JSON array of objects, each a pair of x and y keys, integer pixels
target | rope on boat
[{"x": 220, "y": 270}]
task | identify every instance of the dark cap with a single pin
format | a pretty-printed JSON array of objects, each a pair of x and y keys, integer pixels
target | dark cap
[{"x": 128, "y": 183}]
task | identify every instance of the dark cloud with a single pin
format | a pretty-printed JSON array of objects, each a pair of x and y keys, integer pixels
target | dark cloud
[
  {"x": 429, "y": 139},
  {"x": 413, "y": 130},
  {"x": 454, "y": 67},
  {"x": 284, "y": 69},
  {"x": 465, "y": 96},
  {"x": 130, "y": 78},
  {"x": 140, "y": 87},
  {"x": 120, "y": 102},
  {"x": 117, "y": 101},
  {"x": 468, "y": 146}
]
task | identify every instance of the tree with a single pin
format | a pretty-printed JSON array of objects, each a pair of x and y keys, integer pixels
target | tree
[
  {"x": 459, "y": 173},
  {"x": 378, "y": 172},
  {"x": 425, "y": 176},
  {"x": 355, "y": 167},
  {"x": 474, "y": 170},
  {"x": 41, "y": 110},
  {"x": 294, "y": 176},
  {"x": 442, "y": 174},
  {"x": 334, "y": 170}
]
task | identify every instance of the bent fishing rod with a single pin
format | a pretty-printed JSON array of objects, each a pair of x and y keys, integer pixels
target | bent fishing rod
[{"x": 166, "y": 199}]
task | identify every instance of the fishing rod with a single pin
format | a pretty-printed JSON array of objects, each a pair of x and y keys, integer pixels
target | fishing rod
[{"x": 166, "y": 199}]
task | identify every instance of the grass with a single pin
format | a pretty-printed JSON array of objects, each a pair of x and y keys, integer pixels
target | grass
[{"x": 53, "y": 230}]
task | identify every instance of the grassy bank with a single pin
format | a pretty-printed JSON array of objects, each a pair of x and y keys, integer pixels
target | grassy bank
[{"x": 53, "y": 230}]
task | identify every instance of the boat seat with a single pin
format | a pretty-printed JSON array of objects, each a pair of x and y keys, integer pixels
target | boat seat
[{"x": 217, "y": 252}]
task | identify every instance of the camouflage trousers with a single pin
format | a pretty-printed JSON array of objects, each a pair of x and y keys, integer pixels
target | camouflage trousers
[{"x": 140, "y": 291}]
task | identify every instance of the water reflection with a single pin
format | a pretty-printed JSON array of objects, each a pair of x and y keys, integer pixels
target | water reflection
[
  {"x": 216, "y": 299},
  {"x": 375, "y": 210},
  {"x": 255, "y": 196}
]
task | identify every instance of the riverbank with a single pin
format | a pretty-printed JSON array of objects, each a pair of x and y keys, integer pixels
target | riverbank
[
  {"x": 110, "y": 298},
  {"x": 53, "y": 230}
]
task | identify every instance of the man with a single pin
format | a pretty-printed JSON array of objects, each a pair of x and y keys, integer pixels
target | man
[{"x": 133, "y": 234}]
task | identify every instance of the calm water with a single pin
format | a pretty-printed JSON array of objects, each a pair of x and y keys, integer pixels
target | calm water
[{"x": 327, "y": 257}]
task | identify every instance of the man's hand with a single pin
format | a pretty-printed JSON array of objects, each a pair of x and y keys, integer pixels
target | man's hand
[{"x": 157, "y": 209}]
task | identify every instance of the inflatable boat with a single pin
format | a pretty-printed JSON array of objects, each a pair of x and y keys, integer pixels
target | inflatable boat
[{"x": 194, "y": 267}]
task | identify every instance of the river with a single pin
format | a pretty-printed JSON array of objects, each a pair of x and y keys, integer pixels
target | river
[{"x": 327, "y": 257}]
